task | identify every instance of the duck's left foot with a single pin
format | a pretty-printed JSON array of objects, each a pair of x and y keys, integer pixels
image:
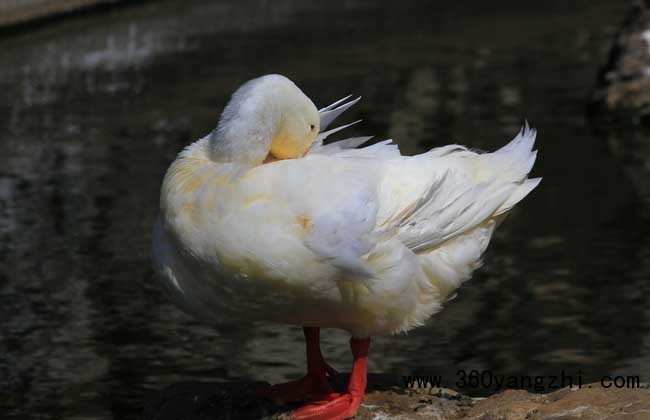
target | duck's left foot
[{"x": 344, "y": 406}]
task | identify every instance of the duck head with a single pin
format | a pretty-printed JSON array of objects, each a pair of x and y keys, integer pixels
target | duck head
[{"x": 267, "y": 117}]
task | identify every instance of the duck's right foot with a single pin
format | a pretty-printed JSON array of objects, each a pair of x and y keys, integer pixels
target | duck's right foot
[
  {"x": 308, "y": 388},
  {"x": 313, "y": 386}
]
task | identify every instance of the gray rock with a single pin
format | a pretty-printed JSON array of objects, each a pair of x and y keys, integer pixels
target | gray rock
[{"x": 623, "y": 89}]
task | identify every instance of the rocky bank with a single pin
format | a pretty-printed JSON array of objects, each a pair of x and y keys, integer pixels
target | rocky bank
[{"x": 235, "y": 400}]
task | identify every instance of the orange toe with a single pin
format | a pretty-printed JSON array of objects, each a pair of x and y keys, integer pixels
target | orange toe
[{"x": 344, "y": 406}]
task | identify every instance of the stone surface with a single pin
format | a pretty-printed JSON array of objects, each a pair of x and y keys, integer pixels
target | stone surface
[{"x": 387, "y": 400}]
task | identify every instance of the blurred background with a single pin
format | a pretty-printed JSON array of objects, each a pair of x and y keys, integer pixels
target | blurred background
[{"x": 95, "y": 106}]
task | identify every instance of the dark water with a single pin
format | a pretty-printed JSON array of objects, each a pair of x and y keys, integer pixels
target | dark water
[{"x": 93, "y": 110}]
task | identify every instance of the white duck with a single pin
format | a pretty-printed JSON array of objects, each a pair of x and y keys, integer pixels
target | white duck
[{"x": 260, "y": 220}]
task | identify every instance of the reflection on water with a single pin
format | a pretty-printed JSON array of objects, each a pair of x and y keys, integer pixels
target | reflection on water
[{"x": 94, "y": 109}]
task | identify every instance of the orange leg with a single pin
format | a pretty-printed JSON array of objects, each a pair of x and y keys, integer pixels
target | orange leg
[
  {"x": 314, "y": 385},
  {"x": 346, "y": 405}
]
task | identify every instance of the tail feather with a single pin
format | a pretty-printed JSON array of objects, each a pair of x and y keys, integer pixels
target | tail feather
[
  {"x": 523, "y": 141},
  {"x": 518, "y": 155},
  {"x": 467, "y": 189}
]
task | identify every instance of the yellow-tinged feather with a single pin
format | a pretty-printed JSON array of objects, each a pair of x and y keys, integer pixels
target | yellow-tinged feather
[
  {"x": 252, "y": 199},
  {"x": 221, "y": 180},
  {"x": 191, "y": 184},
  {"x": 188, "y": 209},
  {"x": 304, "y": 222}
]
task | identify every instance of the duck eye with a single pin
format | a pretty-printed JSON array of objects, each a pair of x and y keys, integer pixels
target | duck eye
[{"x": 311, "y": 127}]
